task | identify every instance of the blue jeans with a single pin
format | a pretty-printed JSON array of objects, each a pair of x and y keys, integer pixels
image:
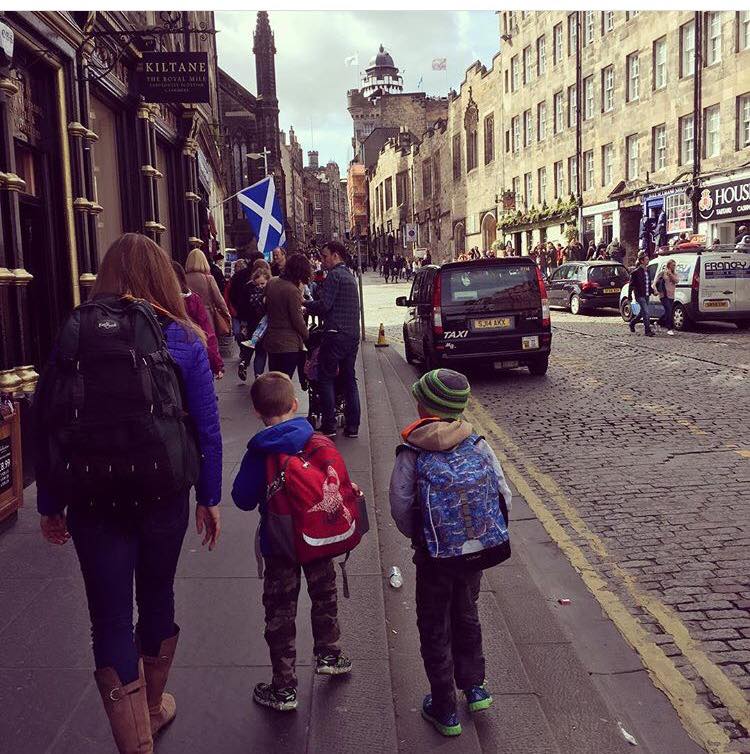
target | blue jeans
[
  {"x": 115, "y": 548},
  {"x": 668, "y": 304},
  {"x": 642, "y": 315},
  {"x": 338, "y": 355}
]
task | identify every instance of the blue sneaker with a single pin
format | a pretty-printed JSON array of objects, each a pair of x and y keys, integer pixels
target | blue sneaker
[
  {"x": 478, "y": 698},
  {"x": 446, "y": 725}
]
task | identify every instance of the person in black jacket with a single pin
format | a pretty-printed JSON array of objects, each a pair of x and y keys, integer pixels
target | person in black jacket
[
  {"x": 640, "y": 290},
  {"x": 217, "y": 273}
]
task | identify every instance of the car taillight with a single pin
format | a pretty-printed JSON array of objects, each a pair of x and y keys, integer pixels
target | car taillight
[
  {"x": 545, "y": 300},
  {"x": 437, "y": 314},
  {"x": 589, "y": 286},
  {"x": 696, "y": 275}
]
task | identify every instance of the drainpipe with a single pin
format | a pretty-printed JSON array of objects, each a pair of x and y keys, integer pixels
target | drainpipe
[
  {"x": 697, "y": 115},
  {"x": 579, "y": 136}
]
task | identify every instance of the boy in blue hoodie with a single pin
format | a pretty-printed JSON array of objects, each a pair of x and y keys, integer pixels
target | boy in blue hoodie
[{"x": 275, "y": 403}]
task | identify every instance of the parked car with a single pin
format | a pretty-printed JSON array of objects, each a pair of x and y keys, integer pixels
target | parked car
[
  {"x": 492, "y": 311},
  {"x": 714, "y": 286},
  {"x": 582, "y": 286}
]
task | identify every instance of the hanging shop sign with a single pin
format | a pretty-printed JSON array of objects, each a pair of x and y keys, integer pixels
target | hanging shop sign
[
  {"x": 174, "y": 77},
  {"x": 7, "y": 37},
  {"x": 730, "y": 199}
]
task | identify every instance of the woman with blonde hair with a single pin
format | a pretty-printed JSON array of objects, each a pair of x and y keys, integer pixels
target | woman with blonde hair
[
  {"x": 201, "y": 281},
  {"x": 126, "y": 423}
]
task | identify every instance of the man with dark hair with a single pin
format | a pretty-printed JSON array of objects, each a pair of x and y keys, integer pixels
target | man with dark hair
[
  {"x": 338, "y": 306},
  {"x": 216, "y": 265}
]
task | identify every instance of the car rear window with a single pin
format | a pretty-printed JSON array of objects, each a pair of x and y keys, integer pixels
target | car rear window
[
  {"x": 511, "y": 287},
  {"x": 608, "y": 273}
]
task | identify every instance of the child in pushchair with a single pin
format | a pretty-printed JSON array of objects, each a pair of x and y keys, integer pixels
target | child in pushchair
[{"x": 315, "y": 413}]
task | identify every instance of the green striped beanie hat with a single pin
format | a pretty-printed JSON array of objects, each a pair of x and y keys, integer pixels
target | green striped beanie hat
[{"x": 442, "y": 392}]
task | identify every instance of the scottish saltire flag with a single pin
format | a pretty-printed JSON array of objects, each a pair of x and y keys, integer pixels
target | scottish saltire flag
[{"x": 263, "y": 210}]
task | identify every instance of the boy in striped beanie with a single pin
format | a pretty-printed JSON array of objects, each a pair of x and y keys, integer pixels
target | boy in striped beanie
[{"x": 448, "y": 494}]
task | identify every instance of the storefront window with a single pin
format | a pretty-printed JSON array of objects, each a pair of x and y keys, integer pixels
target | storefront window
[
  {"x": 106, "y": 176},
  {"x": 679, "y": 211}
]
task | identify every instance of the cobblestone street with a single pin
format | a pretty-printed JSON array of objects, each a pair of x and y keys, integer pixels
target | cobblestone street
[{"x": 639, "y": 448}]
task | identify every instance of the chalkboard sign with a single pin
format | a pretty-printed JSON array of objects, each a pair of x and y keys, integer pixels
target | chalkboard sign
[{"x": 6, "y": 465}]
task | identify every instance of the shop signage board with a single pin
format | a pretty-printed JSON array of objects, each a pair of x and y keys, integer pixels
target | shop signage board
[
  {"x": 724, "y": 200},
  {"x": 6, "y": 465},
  {"x": 7, "y": 38},
  {"x": 174, "y": 77}
]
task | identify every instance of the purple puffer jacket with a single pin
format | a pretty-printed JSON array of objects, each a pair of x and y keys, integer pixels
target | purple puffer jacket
[{"x": 192, "y": 359}]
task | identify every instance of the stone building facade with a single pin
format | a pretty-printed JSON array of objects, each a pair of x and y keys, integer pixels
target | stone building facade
[
  {"x": 586, "y": 123},
  {"x": 356, "y": 199},
  {"x": 292, "y": 165}
]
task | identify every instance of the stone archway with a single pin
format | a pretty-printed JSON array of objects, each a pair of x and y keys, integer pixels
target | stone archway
[
  {"x": 489, "y": 232},
  {"x": 459, "y": 240}
]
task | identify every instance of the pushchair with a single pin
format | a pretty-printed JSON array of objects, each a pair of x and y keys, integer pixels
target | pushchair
[{"x": 315, "y": 412}]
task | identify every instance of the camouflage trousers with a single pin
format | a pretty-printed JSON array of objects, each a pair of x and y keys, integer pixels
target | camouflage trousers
[
  {"x": 281, "y": 584},
  {"x": 450, "y": 634}
]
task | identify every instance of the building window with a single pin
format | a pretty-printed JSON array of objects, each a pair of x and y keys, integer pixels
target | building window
[
  {"x": 608, "y": 89},
  {"x": 687, "y": 49},
  {"x": 514, "y": 73},
  {"x": 573, "y": 174},
  {"x": 426, "y": 179},
  {"x": 572, "y": 33},
  {"x": 541, "y": 121},
  {"x": 388, "y": 194},
  {"x": 559, "y": 180},
  {"x": 659, "y": 141},
  {"x": 401, "y": 196},
  {"x": 588, "y": 97},
  {"x": 528, "y": 190},
  {"x": 436, "y": 172},
  {"x": 588, "y": 170},
  {"x": 631, "y": 157},
  {"x": 679, "y": 211},
  {"x": 608, "y": 158},
  {"x": 608, "y": 21},
  {"x": 588, "y": 27},
  {"x": 572, "y": 106},
  {"x": 541, "y": 56},
  {"x": 687, "y": 139},
  {"x": 711, "y": 127},
  {"x": 557, "y": 43},
  {"x": 526, "y": 65},
  {"x": 472, "y": 156},
  {"x": 713, "y": 37},
  {"x": 517, "y": 191},
  {"x": 631, "y": 14},
  {"x": 489, "y": 139},
  {"x": 743, "y": 121},
  {"x": 660, "y": 63},
  {"x": 456, "y": 156},
  {"x": 633, "y": 68},
  {"x": 542, "y": 184},
  {"x": 743, "y": 30},
  {"x": 515, "y": 127},
  {"x": 528, "y": 129},
  {"x": 557, "y": 102}
]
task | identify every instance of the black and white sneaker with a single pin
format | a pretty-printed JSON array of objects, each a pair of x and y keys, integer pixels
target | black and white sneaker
[
  {"x": 353, "y": 433},
  {"x": 333, "y": 665},
  {"x": 329, "y": 433},
  {"x": 242, "y": 370},
  {"x": 283, "y": 700}
]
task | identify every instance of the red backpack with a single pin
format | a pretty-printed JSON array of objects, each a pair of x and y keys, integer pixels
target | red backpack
[{"x": 313, "y": 510}]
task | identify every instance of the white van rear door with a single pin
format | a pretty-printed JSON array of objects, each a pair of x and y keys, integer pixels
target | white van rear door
[
  {"x": 718, "y": 285},
  {"x": 742, "y": 284}
]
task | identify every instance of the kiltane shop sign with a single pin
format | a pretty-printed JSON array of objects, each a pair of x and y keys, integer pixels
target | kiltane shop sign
[
  {"x": 730, "y": 199},
  {"x": 175, "y": 77}
]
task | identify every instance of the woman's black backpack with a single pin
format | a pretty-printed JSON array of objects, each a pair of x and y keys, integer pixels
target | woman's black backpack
[{"x": 110, "y": 424}]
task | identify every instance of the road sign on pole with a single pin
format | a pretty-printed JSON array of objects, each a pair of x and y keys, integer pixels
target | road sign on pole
[{"x": 410, "y": 234}]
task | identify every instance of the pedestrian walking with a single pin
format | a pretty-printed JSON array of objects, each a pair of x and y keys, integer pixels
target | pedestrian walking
[
  {"x": 278, "y": 261},
  {"x": 665, "y": 285},
  {"x": 286, "y": 433},
  {"x": 247, "y": 295},
  {"x": 200, "y": 280},
  {"x": 616, "y": 252},
  {"x": 446, "y": 485},
  {"x": 198, "y": 314},
  {"x": 287, "y": 332},
  {"x": 115, "y": 465},
  {"x": 216, "y": 264},
  {"x": 639, "y": 290},
  {"x": 339, "y": 308}
]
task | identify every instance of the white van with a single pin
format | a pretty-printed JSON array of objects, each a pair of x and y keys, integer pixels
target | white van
[{"x": 714, "y": 285}]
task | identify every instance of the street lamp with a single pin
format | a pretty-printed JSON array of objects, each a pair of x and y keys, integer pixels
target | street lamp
[{"x": 261, "y": 156}]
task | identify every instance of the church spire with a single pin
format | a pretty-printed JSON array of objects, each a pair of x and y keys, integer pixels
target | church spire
[{"x": 264, "y": 50}]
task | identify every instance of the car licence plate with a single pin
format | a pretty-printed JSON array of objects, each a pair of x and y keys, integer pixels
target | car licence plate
[
  {"x": 532, "y": 341},
  {"x": 493, "y": 323},
  {"x": 505, "y": 364},
  {"x": 611, "y": 290}
]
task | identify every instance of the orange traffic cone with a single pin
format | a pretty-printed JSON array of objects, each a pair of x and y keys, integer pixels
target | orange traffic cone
[{"x": 381, "y": 341}]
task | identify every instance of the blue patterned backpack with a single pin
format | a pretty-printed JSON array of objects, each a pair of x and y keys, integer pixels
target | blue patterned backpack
[{"x": 461, "y": 508}]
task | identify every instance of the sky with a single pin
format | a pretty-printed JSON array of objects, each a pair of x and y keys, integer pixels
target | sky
[{"x": 312, "y": 80}]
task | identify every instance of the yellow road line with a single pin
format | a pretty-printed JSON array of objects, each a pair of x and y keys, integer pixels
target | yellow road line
[{"x": 695, "y": 716}]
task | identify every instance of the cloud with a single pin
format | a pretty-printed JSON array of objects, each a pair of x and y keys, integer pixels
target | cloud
[{"x": 312, "y": 80}]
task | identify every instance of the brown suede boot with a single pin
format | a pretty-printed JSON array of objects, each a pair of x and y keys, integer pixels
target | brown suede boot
[
  {"x": 161, "y": 707},
  {"x": 127, "y": 710}
]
